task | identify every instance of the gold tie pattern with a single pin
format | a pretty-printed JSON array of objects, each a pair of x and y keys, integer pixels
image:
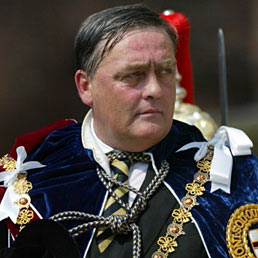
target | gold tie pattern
[{"x": 120, "y": 167}]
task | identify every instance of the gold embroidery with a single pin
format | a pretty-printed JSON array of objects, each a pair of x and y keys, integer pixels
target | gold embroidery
[
  {"x": 238, "y": 226},
  {"x": 167, "y": 243}
]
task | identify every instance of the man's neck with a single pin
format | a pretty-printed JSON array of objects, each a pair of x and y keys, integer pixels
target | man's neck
[{"x": 104, "y": 147}]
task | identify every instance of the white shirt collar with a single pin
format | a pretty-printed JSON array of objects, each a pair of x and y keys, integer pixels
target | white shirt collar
[
  {"x": 92, "y": 142},
  {"x": 104, "y": 147}
]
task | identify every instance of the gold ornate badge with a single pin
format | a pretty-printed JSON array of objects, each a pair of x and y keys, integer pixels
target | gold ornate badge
[{"x": 238, "y": 229}]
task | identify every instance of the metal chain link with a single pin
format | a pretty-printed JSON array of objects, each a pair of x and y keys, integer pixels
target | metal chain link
[
  {"x": 121, "y": 224},
  {"x": 134, "y": 156}
]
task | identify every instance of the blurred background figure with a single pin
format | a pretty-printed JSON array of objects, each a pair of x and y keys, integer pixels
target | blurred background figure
[
  {"x": 185, "y": 110},
  {"x": 36, "y": 60}
]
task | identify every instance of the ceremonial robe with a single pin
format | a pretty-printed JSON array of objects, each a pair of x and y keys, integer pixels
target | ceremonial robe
[{"x": 69, "y": 182}]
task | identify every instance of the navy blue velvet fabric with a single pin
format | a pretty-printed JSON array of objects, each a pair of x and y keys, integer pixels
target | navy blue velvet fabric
[{"x": 69, "y": 181}]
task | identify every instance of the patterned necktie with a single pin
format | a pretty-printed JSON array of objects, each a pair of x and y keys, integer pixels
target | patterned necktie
[{"x": 119, "y": 165}]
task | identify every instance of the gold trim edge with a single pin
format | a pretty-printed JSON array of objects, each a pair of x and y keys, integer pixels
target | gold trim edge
[{"x": 237, "y": 229}]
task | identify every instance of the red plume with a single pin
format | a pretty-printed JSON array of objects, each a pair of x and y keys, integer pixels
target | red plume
[{"x": 184, "y": 65}]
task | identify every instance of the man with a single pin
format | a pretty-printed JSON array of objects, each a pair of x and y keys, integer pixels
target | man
[{"x": 120, "y": 181}]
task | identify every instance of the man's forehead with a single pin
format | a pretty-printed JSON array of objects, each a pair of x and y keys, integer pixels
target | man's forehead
[
  {"x": 132, "y": 37},
  {"x": 140, "y": 40},
  {"x": 138, "y": 49},
  {"x": 169, "y": 62}
]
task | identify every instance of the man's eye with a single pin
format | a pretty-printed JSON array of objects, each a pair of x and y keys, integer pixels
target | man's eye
[
  {"x": 166, "y": 71},
  {"x": 133, "y": 75}
]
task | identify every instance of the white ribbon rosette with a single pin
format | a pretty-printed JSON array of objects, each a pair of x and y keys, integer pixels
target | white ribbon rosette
[
  {"x": 8, "y": 206},
  {"x": 227, "y": 142}
]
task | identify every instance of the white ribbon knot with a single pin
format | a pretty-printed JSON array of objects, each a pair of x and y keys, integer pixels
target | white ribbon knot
[
  {"x": 225, "y": 140},
  {"x": 8, "y": 206}
]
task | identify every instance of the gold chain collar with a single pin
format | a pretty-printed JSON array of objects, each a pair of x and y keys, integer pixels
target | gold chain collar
[
  {"x": 168, "y": 243},
  {"x": 22, "y": 187}
]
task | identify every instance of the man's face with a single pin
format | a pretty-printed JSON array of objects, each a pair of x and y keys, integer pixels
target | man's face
[{"x": 132, "y": 93}]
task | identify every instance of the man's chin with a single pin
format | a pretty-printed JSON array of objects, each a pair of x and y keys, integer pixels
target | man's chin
[
  {"x": 142, "y": 142},
  {"x": 152, "y": 134}
]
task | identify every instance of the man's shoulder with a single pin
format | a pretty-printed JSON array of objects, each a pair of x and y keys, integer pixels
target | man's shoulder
[
  {"x": 187, "y": 130},
  {"x": 33, "y": 139},
  {"x": 179, "y": 135},
  {"x": 182, "y": 134}
]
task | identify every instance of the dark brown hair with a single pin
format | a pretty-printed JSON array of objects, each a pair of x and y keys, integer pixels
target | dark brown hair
[{"x": 100, "y": 32}]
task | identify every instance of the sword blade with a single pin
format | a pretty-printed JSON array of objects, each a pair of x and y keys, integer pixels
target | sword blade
[{"x": 222, "y": 78}]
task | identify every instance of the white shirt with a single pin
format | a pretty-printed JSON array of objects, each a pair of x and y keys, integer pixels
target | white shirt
[{"x": 91, "y": 141}]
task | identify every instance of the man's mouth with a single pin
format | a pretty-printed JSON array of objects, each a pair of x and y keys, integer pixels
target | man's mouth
[{"x": 150, "y": 111}]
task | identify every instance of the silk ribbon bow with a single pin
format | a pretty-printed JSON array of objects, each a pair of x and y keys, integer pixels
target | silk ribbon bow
[
  {"x": 8, "y": 205},
  {"x": 227, "y": 142}
]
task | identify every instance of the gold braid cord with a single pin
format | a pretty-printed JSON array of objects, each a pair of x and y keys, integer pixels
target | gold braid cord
[
  {"x": 238, "y": 227},
  {"x": 22, "y": 187},
  {"x": 182, "y": 215}
]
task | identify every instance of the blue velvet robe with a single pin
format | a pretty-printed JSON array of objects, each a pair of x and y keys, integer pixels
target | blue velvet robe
[{"x": 69, "y": 181}]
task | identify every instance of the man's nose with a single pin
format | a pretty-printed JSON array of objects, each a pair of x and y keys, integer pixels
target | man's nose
[{"x": 152, "y": 88}]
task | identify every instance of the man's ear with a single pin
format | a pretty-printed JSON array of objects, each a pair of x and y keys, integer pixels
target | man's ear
[{"x": 83, "y": 85}]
